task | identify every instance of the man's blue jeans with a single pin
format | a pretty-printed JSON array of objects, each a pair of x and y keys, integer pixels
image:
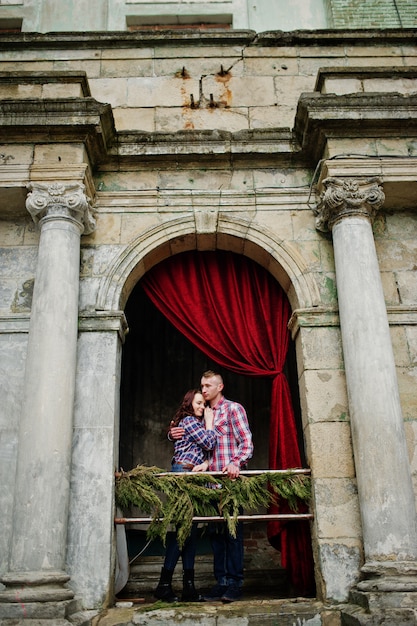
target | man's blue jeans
[
  {"x": 173, "y": 552},
  {"x": 227, "y": 554}
]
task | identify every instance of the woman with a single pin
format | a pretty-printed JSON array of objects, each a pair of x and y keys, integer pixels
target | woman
[{"x": 189, "y": 455}]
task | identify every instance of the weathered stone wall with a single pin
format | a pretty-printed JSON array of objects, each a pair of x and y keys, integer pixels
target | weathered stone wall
[
  {"x": 154, "y": 198},
  {"x": 48, "y": 16}
]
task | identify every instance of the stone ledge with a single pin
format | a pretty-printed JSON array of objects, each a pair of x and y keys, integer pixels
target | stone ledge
[
  {"x": 39, "y": 622},
  {"x": 391, "y": 72},
  {"x": 204, "y": 37},
  {"x": 103, "y": 321},
  {"x": 138, "y": 38},
  {"x": 43, "y": 78},
  {"x": 320, "y": 116},
  {"x": 251, "y": 613},
  {"x": 59, "y": 120}
]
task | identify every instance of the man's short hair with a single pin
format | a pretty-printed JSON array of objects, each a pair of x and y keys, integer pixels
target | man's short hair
[{"x": 211, "y": 373}]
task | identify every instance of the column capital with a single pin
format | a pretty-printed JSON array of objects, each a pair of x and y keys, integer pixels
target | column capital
[
  {"x": 47, "y": 201},
  {"x": 347, "y": 197}
]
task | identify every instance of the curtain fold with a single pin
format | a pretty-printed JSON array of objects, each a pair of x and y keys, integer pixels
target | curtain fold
[{"x": 235, "y": 312}]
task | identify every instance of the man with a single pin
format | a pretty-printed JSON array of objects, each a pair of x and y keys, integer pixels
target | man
[{"x": 234, "y": 448}]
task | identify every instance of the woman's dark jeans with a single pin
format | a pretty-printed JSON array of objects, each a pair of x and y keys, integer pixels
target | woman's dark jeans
[{"x": 173, "y": 551}]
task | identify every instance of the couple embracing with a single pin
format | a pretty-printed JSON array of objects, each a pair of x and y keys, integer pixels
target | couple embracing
[{"x": 210, "y": 433}]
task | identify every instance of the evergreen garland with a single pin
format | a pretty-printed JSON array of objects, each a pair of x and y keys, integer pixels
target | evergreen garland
[{"x": 174, "y": 499}]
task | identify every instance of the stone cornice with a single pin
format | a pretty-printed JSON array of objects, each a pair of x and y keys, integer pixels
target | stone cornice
[
  {"x": 211, "y": 146},
  {"x": 322, "y": 116},
  {"x": 334, "y": 36},
  {"x": 319, "y": 118},
  {"x": 59, "y": 120},
  {"x": 207, "y": 37}
]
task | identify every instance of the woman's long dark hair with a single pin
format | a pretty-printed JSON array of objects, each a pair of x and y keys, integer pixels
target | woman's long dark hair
[{"x": 186, "y": 407}]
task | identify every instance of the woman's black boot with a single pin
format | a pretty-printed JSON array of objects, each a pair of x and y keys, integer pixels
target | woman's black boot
[
  {"x": 164, "y": 589},
  {"x": 189, "y": 593}
]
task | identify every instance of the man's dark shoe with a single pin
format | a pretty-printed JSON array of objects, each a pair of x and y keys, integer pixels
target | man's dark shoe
[
  {"x": 215, "y": 593},
  {"x": 232, "y": 593}
]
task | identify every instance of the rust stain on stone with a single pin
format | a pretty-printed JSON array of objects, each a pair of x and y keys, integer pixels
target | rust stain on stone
[
  {"x": 186, "y": 109},
  {"x": 224, "y": 78}
]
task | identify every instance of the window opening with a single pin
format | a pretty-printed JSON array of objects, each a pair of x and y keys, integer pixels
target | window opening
[{"x": 177, "y": 22}]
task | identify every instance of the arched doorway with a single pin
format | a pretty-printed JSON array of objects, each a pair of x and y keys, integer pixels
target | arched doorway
[
  {"x": 158, "y": 365},
  {"x": 100, "y": 346}
]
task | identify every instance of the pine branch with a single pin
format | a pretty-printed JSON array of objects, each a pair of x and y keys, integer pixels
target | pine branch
[{"x": 174, "y": 499}]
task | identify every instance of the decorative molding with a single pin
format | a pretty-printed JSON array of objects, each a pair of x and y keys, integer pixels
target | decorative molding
[
  {"x": 231, "y": 200},
  {"x": 14, "y": 175},
  {"x": 400, "y": 169},
  {"x": 104, "y": 321},
  {"x": 402, "y": 315},
  {"x": 59, "y": 200},
  {"x": 347, "y": 197},
  {"x": 312, "y": 317},
  {"x": 15, "y": 323},
  {"x": 398, "y": 315},
  {"x": 67, "y": 174}
]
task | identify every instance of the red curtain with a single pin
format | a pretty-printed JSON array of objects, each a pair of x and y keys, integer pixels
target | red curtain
[{"x": 237, "y": 314}]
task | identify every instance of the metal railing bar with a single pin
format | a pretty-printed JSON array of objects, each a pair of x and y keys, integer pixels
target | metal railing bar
[
  {"x": 241, "y": 473},
  {"x": 218, "y": 518}
]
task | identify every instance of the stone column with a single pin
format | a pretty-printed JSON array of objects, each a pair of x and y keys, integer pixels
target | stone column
[
  {"x": 38, "y": 549},
  {"x": 347, "y": 208}
]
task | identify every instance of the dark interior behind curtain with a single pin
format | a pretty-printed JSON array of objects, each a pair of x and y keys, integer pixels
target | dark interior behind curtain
[{"x": 235, "y": 312}]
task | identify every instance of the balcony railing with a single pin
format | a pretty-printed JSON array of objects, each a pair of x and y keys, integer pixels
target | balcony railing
[{"x": 295, "y": 516}]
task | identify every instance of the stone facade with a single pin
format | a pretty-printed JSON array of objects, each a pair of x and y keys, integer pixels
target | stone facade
[
  {"x": 259, "y": 15},
  {"x": 119, "y": 150}
]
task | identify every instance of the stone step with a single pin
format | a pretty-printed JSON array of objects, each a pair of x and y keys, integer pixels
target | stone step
[
  {"x": 144, "y": 576},
  {"x": 298, "y": 612},
  {"x": 243, "y": 613},
  {"x": 81, "y": 618}
]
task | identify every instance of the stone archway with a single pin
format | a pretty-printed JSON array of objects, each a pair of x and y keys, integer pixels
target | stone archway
[
  {"x": 96, "y": 415},
  {"x": 158, "y": 365},
  {"x": 279, "y": 257}
]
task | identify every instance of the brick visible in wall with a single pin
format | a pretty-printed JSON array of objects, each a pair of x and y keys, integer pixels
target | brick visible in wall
[{"x": 371, "y": 13}]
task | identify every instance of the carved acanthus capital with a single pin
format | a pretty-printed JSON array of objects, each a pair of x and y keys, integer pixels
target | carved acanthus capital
[
  {"x": 61, "y": 200},
  {"x": 344, "y": 197}
]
